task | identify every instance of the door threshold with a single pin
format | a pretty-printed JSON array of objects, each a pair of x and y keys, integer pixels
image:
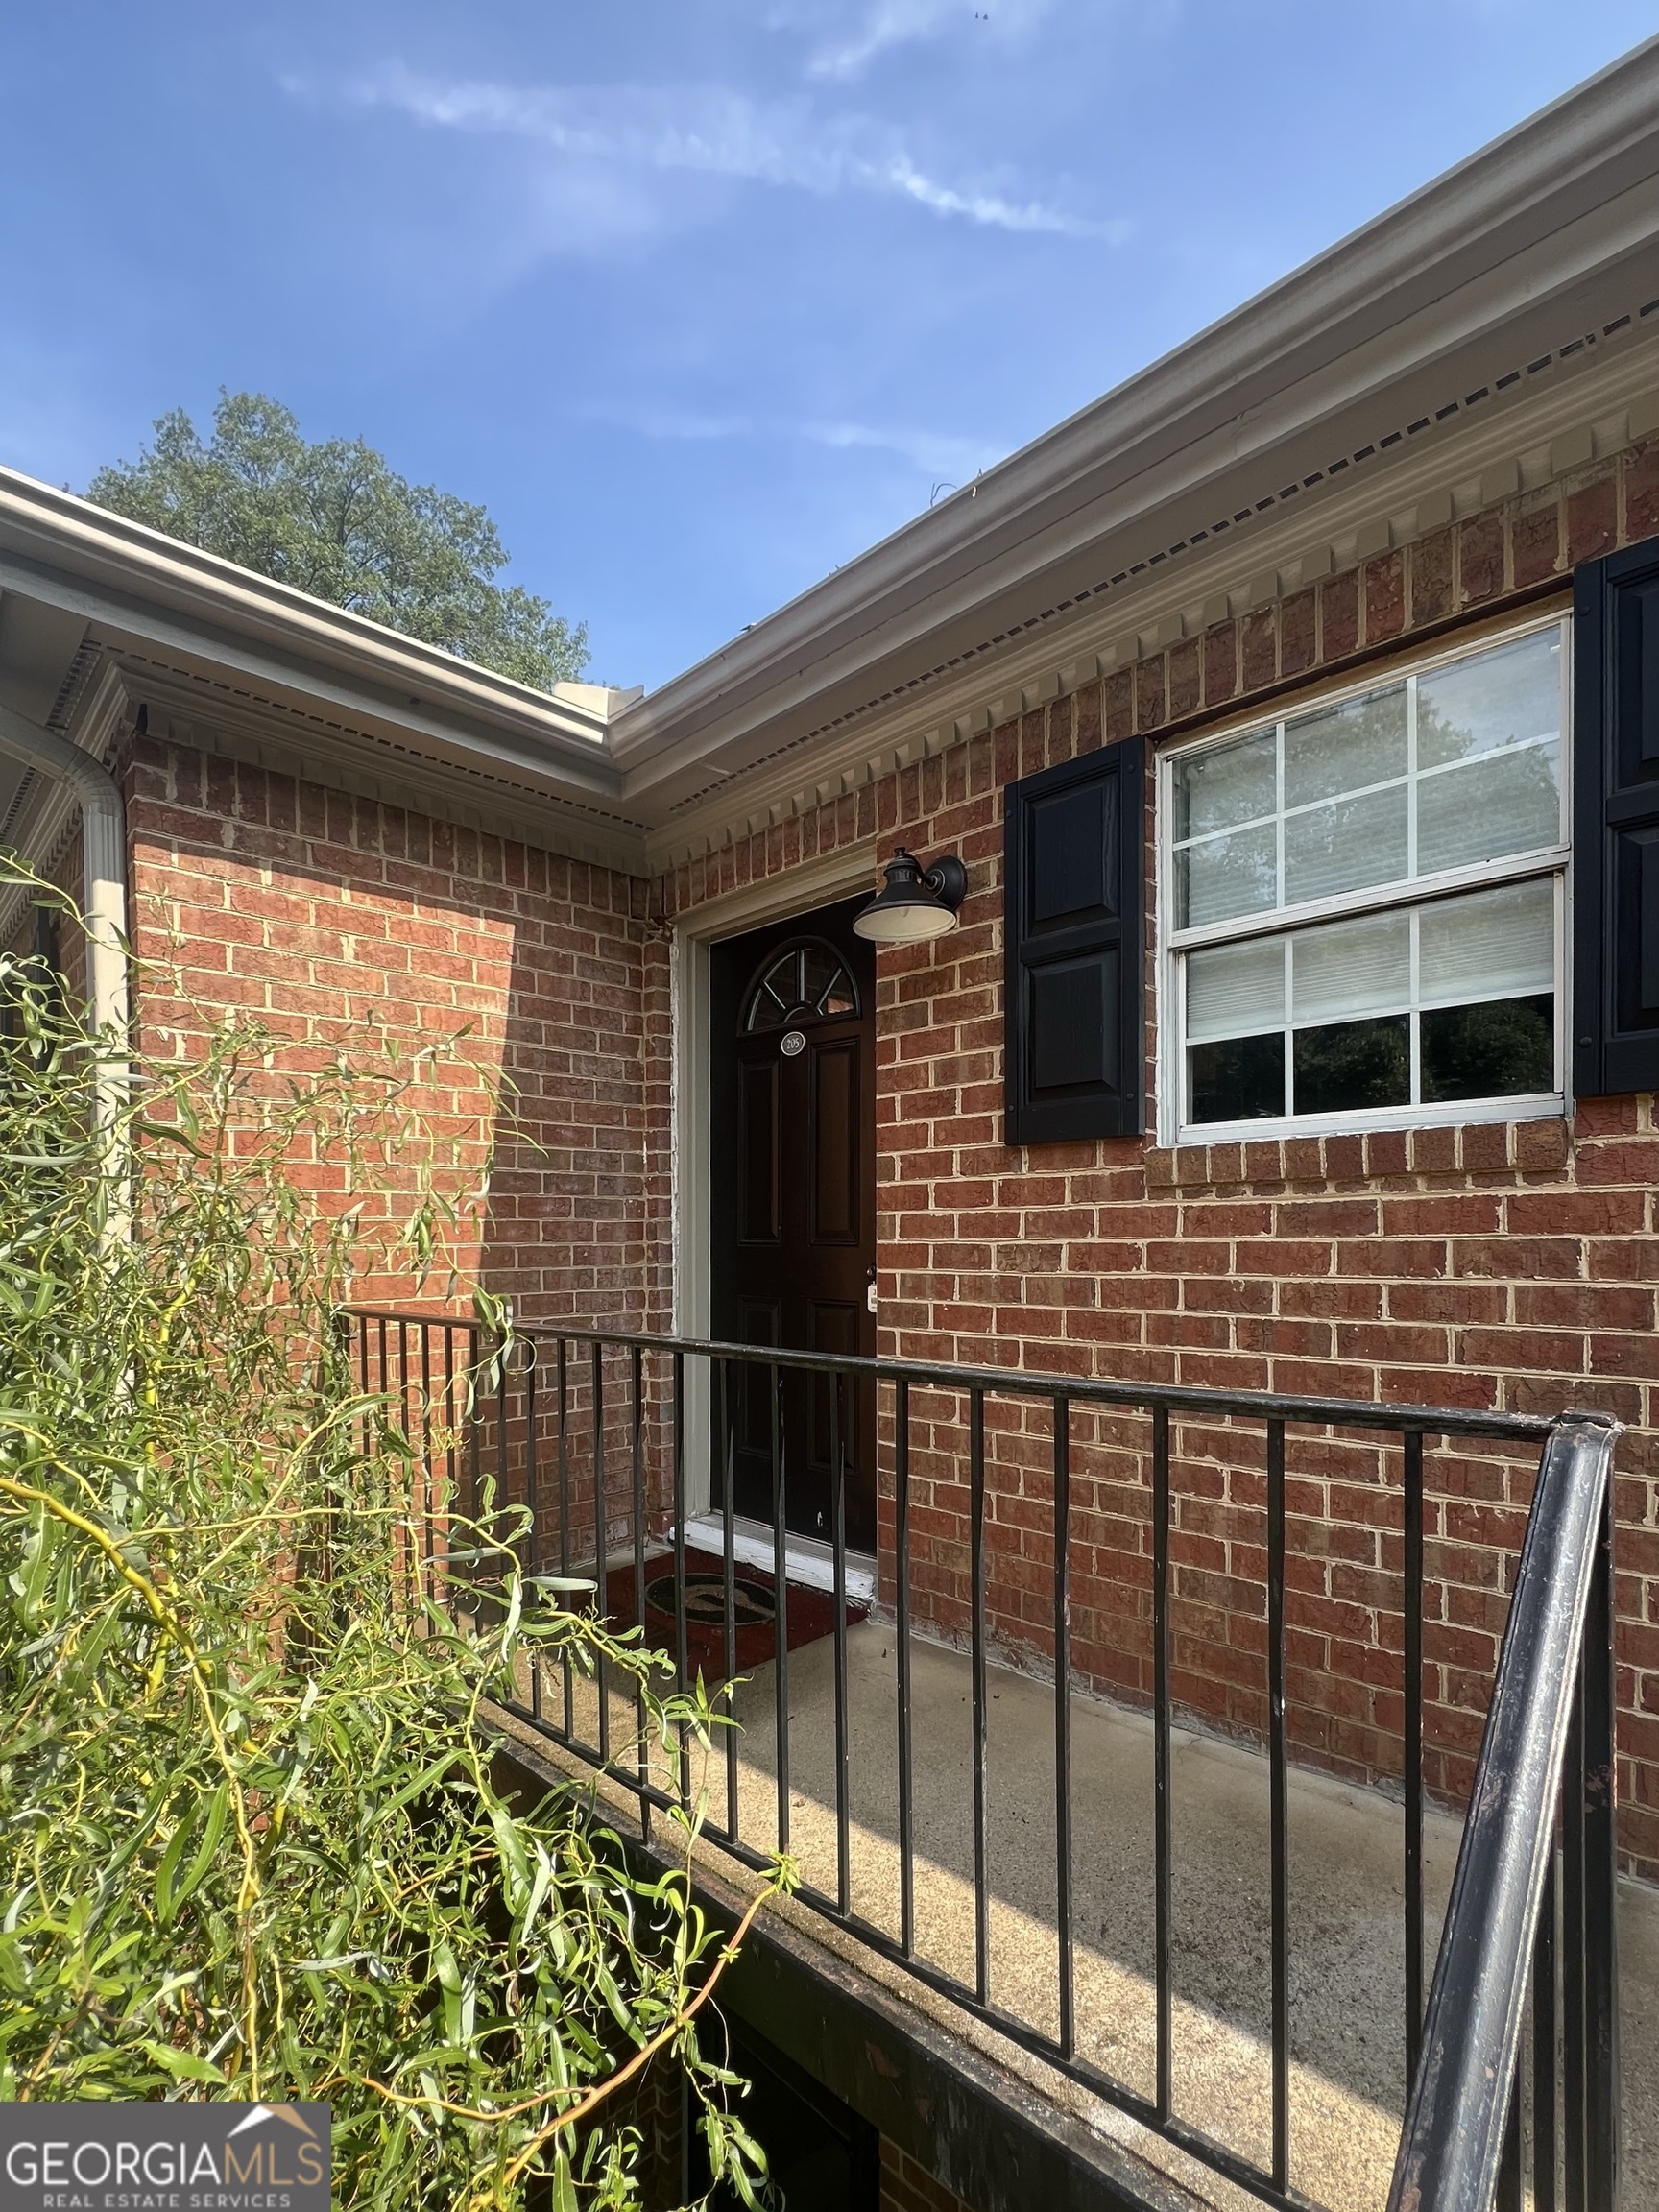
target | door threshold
[{"x": 807, "y": 1558}]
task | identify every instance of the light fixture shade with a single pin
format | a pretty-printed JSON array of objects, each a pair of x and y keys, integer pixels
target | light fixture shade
[{"x": 917, "y": 902}]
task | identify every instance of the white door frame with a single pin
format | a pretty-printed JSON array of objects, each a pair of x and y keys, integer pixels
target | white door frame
[{"x": 800, "y": 890}]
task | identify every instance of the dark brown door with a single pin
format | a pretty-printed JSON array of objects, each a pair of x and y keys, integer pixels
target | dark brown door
[{"x": 794, "y": 1208}]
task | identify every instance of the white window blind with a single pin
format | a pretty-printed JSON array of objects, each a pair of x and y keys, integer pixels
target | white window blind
[{"x": 1413, "y": 836}]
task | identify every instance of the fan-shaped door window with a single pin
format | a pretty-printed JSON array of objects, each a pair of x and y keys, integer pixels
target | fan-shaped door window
[{"x": 806, "y": 981}]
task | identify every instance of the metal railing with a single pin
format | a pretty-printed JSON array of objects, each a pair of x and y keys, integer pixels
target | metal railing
[
  {"x": 601, "y": 1434},
  {"x": 1547, "y": 1758}
]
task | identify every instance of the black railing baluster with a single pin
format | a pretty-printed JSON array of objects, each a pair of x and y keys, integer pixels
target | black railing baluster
[
  {"x": 1063, "y": 1721},
  {"x": 533, "y": 1499},
  {"x": 1278, "y": 1766},
  {"x": 976, "y": 1603},
  {"x": 723, "y": 1430},
  {"x": 563, "y": 1468},
  {"x": 1412, "y": 1753},
  {"x": 601, "y": 1546},
  {"x": 680, "y": 1680},
  {"x": 427, "y": 1476},
  {"x": 409, "y": 1538},
  {"x": 636, "y": 1470},
  {"x": 1508, "y": 2198},
  {"x": 453, "y": 1434},
  {"x": 779, "y": 1600},
  {"x": 1573, "y": 2014},
  {"x": 503, "y": 1495},
  {"x": 385, "y": 1409},
  {"x": 1601, "y": 2116},
  {"x": 901, "y": 1618},
  {"x": 1544, "y": 2072},
  {"x": 1163, "y": 1808},
  {"x": 474, "y": 1427},
  {"x": 838, "y": 1576}
]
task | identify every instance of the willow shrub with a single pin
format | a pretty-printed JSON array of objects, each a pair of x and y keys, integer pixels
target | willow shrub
[{"x": 249, "y": 1841}]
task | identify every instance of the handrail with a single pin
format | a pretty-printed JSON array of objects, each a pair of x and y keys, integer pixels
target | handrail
[
  {"x": 1451, "y": 2145},
  {"x": 1026, "y": 1382}
]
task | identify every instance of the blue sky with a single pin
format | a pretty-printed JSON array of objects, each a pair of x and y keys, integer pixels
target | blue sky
[{"x": 699, "y": 296}]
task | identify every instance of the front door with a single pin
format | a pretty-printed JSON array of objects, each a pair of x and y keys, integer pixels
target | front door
[{"x": 794, "y": 1208}]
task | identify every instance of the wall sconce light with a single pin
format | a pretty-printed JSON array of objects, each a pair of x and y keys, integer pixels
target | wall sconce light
[{"x": 917, "y": 902}]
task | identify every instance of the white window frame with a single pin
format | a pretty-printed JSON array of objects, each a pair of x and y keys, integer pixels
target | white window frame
[{"x": 1553, "y": 861}]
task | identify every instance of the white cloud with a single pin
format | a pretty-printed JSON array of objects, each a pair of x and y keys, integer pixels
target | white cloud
[
  {"x": 883, "y": 24},
  {"x": 937, "y": 454},
  {"x": 708, "y": 131},
  {"x": 942, "y": 456}
]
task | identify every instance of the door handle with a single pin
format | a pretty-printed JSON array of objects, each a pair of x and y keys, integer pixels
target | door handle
[{"x": 870, "y": 1294}]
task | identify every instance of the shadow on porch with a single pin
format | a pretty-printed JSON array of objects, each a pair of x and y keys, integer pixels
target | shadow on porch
[{"x": 1347, "y": 1991}]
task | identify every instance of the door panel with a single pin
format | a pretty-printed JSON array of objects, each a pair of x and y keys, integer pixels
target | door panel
[
  {"x": 757, "y": 1089},
  {"x": 794, "y": 1205},
  {"x": 834, "y": 1140},
  {"x": 759, "y": 1322}
]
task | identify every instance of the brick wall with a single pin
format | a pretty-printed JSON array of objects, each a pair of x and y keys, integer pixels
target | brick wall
[
  {"x": 907, "y": 2187},
  {"x": 1504, "y": 1265},
  {"x": 316, "y": 910}
]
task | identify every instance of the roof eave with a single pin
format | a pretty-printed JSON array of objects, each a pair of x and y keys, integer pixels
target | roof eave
[{"x": 81, "y": 556}]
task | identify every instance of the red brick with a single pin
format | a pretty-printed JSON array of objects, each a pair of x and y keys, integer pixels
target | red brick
[
  {"x": 1591, "y": 520},
  {"x": 1261, "y": 644},
  {"x": 1119, "y": 705},
  {"x": 1340, "y": 614},
  {"x": 1537, "y": 543},
  {"x": 1184, "y": 679},
  {"x": 1220, "y": 664},
  {"x": 1642, "y": 494},
  {"x": 1432, "y": 561},
  {"x": 1385, "y": 597},
  {"x": 1481, "y": 558},
  {"x": 1149, "y": 704}
]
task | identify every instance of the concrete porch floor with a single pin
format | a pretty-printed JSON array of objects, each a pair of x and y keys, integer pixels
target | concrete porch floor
[{"x": 1347, "y": 1978}]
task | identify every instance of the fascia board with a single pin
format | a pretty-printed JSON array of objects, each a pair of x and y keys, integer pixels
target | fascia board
[
  {"x": 117, "y": 564},
  {"x": 917, "y": 723},
  {"x": 581, "y": 770},
  {"x": 1522, "y": 199}
]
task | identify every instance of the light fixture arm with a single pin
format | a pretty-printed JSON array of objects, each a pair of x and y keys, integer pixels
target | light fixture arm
[{"x": 947, "y": 879}]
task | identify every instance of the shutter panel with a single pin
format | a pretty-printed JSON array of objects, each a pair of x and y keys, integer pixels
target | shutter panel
[
  {"x": 1075, "y": 891},
  {"x": 1615, "y": 825}
]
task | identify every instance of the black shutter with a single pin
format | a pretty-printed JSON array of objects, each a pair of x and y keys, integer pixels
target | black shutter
[
  {"x": 1075, "y": 890},
  {"x": 1615, "y": 825}
]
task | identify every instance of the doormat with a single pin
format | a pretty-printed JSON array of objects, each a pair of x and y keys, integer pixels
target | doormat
[{"x": 754, "y": 1612}]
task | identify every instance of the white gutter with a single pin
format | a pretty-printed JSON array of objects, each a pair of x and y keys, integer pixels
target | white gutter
[{"x": 104, "y": 891}]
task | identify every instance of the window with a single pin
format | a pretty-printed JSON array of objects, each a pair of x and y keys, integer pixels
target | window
[
  {"x": 1363, "y": 903},
  {"x": 805, "y": 982}
]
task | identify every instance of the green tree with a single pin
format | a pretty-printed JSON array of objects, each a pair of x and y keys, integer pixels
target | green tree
[{"x": 333, "y": 520}]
